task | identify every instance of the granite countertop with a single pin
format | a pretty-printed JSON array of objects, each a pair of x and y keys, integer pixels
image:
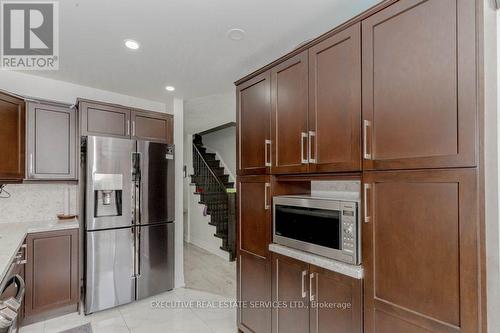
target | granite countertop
[
  {"x": 12, "y": 236},
  {"x": 326, "y": 263}
]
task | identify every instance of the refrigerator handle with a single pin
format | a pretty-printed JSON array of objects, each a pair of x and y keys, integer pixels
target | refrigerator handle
[{"x": 137, "y": 254}]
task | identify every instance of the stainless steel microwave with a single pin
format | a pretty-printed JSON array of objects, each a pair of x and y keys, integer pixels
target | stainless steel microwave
[{"x": 323, "y": 226}]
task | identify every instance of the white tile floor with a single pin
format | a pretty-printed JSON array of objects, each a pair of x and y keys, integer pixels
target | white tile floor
[{"x": 141, "y": 316}]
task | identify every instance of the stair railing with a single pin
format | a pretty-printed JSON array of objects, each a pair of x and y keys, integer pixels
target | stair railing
[{"x": 213, "y": 194}]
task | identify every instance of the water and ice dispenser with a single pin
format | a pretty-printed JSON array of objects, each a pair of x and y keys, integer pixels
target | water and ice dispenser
[{"x": 108, "y": 191}]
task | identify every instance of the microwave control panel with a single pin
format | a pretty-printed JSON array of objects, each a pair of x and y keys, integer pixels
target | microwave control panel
[{"x": 349, "y": 218}]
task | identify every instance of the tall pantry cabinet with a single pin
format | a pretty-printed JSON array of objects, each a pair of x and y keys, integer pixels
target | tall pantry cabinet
[{"x": 391, "y": 98}]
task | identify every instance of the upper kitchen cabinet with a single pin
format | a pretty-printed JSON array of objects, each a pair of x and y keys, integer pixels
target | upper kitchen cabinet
[
  {"x": 421, "y": 251},
  {"x": 152, "y": 126},
  {"x": 51, "y": 142},
  {"x": 289, "y": 132},
  {"x": 335, "y": 102},
  {"x": 104, "y": 119},
  {"x": 254, "y": 128},
  {"x": 12, "y": 138},
  {"x": 419, "y": 85}
]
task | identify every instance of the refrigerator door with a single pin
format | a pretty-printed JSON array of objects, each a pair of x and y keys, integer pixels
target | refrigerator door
[
  {"x": 157, "y": 183},
  {"x": 110, "y": 279},
  {"x": 109, "y": 183},
  {"x": 156, "y": 259}
]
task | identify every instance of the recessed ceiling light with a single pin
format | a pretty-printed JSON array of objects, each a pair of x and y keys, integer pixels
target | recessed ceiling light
[
  {"x": 236, "y": 34},
  {"x": 132, "y": 44},
  {"x": 170, "y": 88}
]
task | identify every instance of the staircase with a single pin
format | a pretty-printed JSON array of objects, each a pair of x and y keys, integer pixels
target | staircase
[{"x": 212, "y": 185}]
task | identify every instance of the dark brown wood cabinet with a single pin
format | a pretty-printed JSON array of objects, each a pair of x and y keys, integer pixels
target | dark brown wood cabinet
[
  {"x": 104, "y": 119},
  {"x": 152, "y": 126},
  {"x": 420, "y": 251},
  {"x": 51, "y": 142},
  {"x": 343, "y": 293},
  {"x": 313, "y": 299},
  {"x": 254, "y": 128},
  {"x": 12, "y": 138},
  {"x": 419, "y": 85},
  {"x": 52, "y": 284},
  {"x": 289, "y": 132},
  {"x": 254, "y": 290},
  {"x": 335, "y": 102},
  {"x": 253, "y": 260},
  {"x": 291, "y": 295}
]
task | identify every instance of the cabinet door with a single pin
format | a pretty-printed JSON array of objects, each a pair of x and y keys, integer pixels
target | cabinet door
[
  {"x": 254, "y": 215},
  {"x": 419, "y": 85},
  {"x": 12, "y": 138},
  {"x": 254, "y": 128},
  {"x": 152, "y": 126},
  {"x": 51, "y": 142},
  {"x": 342, "y": 296},
  {"x": 289, "y": 95},
  {"x": 335, "y": 102},
  {"x": 104, "y": 120},
  {"x": 254, "y": 290},
  {"x": 420, "y": 251},
  {"x": 51, "y": 272},
  {"x": 291, "y": 294}
]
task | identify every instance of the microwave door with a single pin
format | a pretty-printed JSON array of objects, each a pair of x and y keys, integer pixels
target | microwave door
[{"x": 315, "y": 226}]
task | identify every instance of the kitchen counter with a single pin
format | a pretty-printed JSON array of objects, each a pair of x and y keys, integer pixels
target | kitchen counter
[
  {"x": 12, "y": 236},
  {"x": 323, "y": 262}
]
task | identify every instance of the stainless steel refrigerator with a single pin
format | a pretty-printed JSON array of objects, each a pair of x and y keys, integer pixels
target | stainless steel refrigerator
[{"x": 129, "y": 215}]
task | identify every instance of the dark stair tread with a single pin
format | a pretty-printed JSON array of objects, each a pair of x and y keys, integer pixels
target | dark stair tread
[{"x": 220, "y": 235}]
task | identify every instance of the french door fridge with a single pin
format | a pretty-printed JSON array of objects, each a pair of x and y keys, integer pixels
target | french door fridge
[{"x": 129, "y": 215}]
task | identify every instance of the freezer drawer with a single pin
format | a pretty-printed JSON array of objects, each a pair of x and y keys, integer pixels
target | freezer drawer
[
  {"x": 109, "y": 269},
  {"x": 156, "y": 259}
]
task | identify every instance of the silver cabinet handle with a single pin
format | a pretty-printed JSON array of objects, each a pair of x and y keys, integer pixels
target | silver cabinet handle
[
  {"x": 133, "y": 127},
  {"x": 304, "y": 292},
  {"x": 128, "y": 127},
  {"x": 367, "y": 217},
  {"x": 31, "y": 164},
  {"x": 312, "y": 135},
  {"x": 366, "y": 154},
  {"x": 303, "y": 138},
  {"x": 312, "y": 295},
  {"x": 268, "y": 152},
  {"x": 267, "y": 204}
]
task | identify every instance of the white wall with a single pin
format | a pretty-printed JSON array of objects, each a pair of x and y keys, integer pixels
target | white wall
[
  {"x": 35, "y": 86},
  {"x": 223, "y": 143},
  {"x": 207, "y": 112}
]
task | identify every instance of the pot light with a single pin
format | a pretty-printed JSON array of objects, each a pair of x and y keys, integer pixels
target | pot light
[
  {"x": 170, "y": 88},
  {"x": 132, "y": 44},
  {"x": 236, "y": 34}
]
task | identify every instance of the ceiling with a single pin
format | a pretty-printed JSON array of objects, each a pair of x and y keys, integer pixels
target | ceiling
[{"x": 184, "y": 43}]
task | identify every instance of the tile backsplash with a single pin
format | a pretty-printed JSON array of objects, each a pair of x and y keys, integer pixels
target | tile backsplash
[{"x": 37, "y": 202}]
